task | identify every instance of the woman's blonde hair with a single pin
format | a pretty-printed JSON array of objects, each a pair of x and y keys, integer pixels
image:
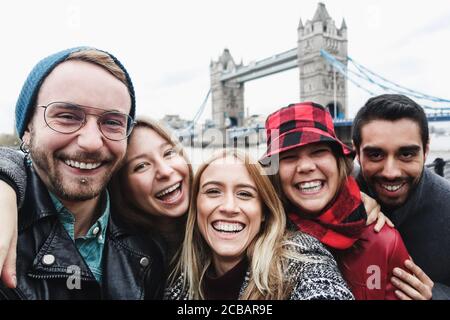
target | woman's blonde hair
[
  {"x": 266, "y": 253},
  {"x": 125, "y": 206}
]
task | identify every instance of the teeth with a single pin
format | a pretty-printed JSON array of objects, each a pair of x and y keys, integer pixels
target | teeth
[
  {"x": 82, "y": 165},
  {"x": 168, "y": 190},
  {"x": 392, "y": 188},
  {"x": 309, "y": 185},
  {"x": 313, "y": 186},
  {"x": 228, "y": 226}
]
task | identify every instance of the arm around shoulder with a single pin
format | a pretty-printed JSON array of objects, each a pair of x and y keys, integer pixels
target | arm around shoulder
[{"x": 13, "y": 171}]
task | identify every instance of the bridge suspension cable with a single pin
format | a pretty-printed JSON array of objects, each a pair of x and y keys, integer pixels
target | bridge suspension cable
[
  {"x": 364, "y": 75},
  {"x": 196, "y": 116}
]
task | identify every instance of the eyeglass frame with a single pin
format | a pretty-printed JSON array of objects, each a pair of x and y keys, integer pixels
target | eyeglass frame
[{"x": 132, "y": 122}]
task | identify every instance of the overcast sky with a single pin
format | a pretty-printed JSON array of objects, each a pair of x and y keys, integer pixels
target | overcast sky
[{"x": 167, "y": 45}]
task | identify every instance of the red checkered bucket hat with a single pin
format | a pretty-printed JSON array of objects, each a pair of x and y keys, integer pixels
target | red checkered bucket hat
[{"x": 298, "y": 125}]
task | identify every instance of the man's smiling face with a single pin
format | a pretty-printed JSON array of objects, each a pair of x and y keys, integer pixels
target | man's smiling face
[
  {"x": 77, "y": 166},
  {"x": 392, "y": 159}
]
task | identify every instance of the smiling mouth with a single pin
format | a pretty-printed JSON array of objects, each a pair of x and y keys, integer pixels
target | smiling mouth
[
  {"x": 228, "y": 227},
  {"x": 310, "y": 187},
  {"x": 392, "y": 187},
  {"x": 82, "y": 165},
  {"x": 170, "y": 194}
]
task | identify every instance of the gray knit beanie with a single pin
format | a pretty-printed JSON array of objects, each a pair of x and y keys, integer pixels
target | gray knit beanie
[{"x": 27, "y": 98}]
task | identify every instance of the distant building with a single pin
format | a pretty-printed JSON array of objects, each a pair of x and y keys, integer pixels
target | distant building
[
  {"x": 175, "y": 122},
  {"x": 255, "y": 120}
]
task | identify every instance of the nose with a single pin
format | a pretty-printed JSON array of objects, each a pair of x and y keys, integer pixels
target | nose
[
  {"x": 229, "y": 204},
  {"x": 163, "y": 170},
  {"x": 90, "y": 137},
  {"x": 305, "y": 164},
  {"x": 391, "y": 170}
]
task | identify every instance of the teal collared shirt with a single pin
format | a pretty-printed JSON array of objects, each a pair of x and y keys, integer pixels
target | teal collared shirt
[{"x": 91, "y": 245}]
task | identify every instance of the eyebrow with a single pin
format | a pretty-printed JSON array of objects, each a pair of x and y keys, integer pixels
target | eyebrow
[
  {"x": 96, "y": 108},
  {"x": 410, "y": 148},
  {"x": 240, "y": 185},
  {"x": 371, "y": 149},
  {"x": 142, "y": 155}
]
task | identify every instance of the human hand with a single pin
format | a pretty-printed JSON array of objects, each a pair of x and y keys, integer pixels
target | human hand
[
  {"x": 8, "y": 235},
  {"x": 412, "y": 284},
  {"x": 374, "y": 213}
]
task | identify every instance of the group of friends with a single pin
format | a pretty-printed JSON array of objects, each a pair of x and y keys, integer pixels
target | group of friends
[{"x": 101, "y": 204}]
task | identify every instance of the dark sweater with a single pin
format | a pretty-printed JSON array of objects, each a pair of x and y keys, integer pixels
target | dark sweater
[
  {"x": 227, "y": 286},
  {"x": 424, "y": 224}
]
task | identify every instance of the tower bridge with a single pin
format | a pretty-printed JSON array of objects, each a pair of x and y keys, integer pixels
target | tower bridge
[
  {"x": 321, "y": 56},
  {"x": 319, "y": 81}
]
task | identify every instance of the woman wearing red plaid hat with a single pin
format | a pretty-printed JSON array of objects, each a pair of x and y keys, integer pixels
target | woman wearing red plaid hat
[{"x": 323, "y": 199}]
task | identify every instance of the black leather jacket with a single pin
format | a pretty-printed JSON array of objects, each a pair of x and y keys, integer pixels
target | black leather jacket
[{"x": 133, "y": 263}]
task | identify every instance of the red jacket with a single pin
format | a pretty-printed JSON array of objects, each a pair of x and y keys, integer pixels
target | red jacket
[{"x": 367, "y": 266}]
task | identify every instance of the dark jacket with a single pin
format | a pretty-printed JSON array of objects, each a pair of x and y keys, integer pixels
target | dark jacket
[
  {"x": 424, "y": 224},
  {"x": 133, "y": 264}
]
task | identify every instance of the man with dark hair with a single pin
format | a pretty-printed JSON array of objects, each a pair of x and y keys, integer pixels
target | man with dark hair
[{"x": 390, "y": 135}]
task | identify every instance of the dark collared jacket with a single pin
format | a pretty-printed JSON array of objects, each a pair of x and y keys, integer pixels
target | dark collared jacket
[{"x": 49, "y": 265}]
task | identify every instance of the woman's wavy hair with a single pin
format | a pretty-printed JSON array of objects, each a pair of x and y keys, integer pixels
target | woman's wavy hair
[
  {"x": 134, "y": 215},
  {"x": 266, "y": 253}
]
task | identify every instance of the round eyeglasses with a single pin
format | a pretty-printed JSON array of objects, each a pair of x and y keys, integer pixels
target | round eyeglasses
[{"x": 64, "y": 117}]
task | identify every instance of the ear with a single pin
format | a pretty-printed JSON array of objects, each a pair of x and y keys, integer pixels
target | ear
[
  {"x": 426, "y": 152},
  {"x": 26, "y": 138},
  {"x": 357, "y": 152}
]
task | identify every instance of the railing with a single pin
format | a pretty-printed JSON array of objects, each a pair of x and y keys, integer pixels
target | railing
[{"x": 440, "y": 167}]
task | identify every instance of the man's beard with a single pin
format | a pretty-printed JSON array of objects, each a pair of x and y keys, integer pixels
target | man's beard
[
  {"x": 389, "y": 205},
  {"x": 79, "y": 188}
]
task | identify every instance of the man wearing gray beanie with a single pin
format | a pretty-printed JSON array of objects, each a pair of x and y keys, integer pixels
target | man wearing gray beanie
[{"x": 74, "y": 115}]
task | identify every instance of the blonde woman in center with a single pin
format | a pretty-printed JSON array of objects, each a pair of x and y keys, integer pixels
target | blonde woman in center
[{"x": 236, "y": 245}]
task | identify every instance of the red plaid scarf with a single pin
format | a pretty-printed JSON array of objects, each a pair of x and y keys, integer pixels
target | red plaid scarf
[{"x": 336, "y": 227}]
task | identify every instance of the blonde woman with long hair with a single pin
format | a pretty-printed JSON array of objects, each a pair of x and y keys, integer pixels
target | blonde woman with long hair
[
  {"x": 236, "y": 245},
  {"x": 152, "y": 188}
]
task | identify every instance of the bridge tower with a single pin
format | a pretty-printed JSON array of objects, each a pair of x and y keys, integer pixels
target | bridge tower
[
  {"x": 318, "y": 80},
  {"x": 227, "y": 97}
]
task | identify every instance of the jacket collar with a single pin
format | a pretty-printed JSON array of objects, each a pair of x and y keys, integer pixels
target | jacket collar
[
  {"x": 37, "y": 207},
  {"x": 41, "y": 206},
  {"x": 37, "y": 204},
  {"x": 60, "y": 250}
]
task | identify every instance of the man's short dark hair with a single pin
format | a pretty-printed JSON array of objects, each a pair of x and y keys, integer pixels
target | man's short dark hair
[{"x": 390, "y": 107}]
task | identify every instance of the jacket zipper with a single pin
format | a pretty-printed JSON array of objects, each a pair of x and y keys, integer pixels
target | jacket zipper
[{"x": 55, "y": 276}]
